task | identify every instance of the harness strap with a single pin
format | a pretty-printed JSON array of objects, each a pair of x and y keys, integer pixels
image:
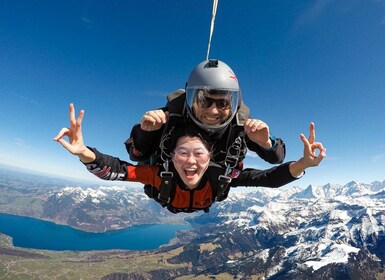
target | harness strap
[
  {"x": 234, "y": 153},
  {"x": 164, "y": 195},
  {"x": 167, "y": 183},
  {"x": 223, "y": 185},
  {"x": 166, "y": 176}
]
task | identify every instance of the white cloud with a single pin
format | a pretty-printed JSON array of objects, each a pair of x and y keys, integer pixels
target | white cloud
[
  {"x": 310, "y": 15},
  {"x": 20, "y": 142},
  {"x": 26, "y": 99},
  {"x": 86, "y": 21},
  {"x": 378, "y": 158}
]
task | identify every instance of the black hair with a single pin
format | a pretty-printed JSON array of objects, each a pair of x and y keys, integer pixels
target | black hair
[{"x": 188, "y": 130}]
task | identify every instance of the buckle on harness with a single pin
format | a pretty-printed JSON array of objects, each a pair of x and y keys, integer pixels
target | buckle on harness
[
  {"x": 234, "y": 153},
  {"x": 165, "y": 187},
  {"x": 224, "y": 181},
  {"x": 232, "y": 161},
  {"x": 166, "y": 174}
]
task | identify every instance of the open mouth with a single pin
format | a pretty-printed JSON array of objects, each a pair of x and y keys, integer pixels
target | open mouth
[{"x": 190, "y": 172}]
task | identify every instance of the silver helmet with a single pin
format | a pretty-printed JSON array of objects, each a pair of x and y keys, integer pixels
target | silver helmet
[{"x": 212, "y": 81}]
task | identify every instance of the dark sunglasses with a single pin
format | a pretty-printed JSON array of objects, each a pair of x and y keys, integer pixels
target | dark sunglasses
[{"x": 206, "y": 102}]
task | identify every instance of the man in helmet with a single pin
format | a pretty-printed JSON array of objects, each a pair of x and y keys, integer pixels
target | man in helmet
[{"x": 212, "y": 101}]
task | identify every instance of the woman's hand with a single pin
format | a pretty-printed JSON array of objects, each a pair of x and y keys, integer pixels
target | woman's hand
[
  {"x": 310, "y": 157},
  {"x": 75, "y": 144}
]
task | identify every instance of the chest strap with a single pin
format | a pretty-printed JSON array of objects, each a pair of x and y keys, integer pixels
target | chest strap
[
  {"x": 164, "y": 195},
  {"x": 223, "y": 186},
  {"x": 166, "y": 184},
  {"x": 236, "y": 151}
]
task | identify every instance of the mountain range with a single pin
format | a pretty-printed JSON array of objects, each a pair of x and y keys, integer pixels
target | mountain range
[
  {"x": 321, "y": 232},
  {"x": 335, "y": 231}
]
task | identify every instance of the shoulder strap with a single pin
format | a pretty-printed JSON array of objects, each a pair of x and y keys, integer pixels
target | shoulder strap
[
  {"x": 166, "y": 191},
  {"x": 236, "y": 147},
  {"x": 219, "y": 182},
  {"x": 166, "y": 186},
  {"x": 167, "y": 181},
  {"x": 236, "y": 150}
]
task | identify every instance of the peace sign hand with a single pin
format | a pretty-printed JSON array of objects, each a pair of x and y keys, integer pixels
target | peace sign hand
[
  {"x": 75, "y": 144},
  {"x": 310, "y": 148},
  {"x": 310, "y": 157}
]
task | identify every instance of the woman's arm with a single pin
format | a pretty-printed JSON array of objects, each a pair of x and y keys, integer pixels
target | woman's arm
[
  {"x": 287, "y": 172},
  {"x": 101, "y": 165}
]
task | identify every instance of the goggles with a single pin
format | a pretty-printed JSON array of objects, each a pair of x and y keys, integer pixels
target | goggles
[
  {"x": 204, "y": 101},
  {"x": 201, "y": 155}
]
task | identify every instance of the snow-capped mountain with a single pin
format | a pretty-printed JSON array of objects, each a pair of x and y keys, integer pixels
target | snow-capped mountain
[
  {"x": 321, "y": 232},
  {"x": 308, "y": 231},
  {"x": 103, "y": 208}
]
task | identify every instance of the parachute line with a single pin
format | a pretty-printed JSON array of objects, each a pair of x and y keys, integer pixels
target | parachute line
[{"x": 215, "y": 5}]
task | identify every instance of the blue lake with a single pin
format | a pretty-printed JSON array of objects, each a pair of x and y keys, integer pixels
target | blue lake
[{"x": 33, "y": 233}]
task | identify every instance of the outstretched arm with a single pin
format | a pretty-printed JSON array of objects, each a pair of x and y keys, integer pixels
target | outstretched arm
[
  {"x": 309, "y": 158},
  {"x": 287, "y": 172},
  {"x": 75, "y": 144}
]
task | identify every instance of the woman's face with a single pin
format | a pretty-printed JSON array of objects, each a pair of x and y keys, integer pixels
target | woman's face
[{"x": 191, "y": 159}]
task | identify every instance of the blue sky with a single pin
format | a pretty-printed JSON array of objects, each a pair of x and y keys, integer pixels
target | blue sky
[{"x": 296, "y": 61}]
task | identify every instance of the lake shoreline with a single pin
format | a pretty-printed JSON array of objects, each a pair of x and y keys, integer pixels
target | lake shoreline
[
  {"x": 32, "y": 233},
  {"x": 57, "y": 222}
]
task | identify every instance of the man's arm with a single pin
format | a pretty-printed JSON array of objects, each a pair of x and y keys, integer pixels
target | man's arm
[
  {"x": 259, "y": 139},
  {"x": 145, "y": 137},
  {"x": 274, "y": 155},
  {"x": 142, "y": 144}
]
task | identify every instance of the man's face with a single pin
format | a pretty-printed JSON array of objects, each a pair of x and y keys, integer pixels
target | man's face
[{"x": 212, "y": 109}]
